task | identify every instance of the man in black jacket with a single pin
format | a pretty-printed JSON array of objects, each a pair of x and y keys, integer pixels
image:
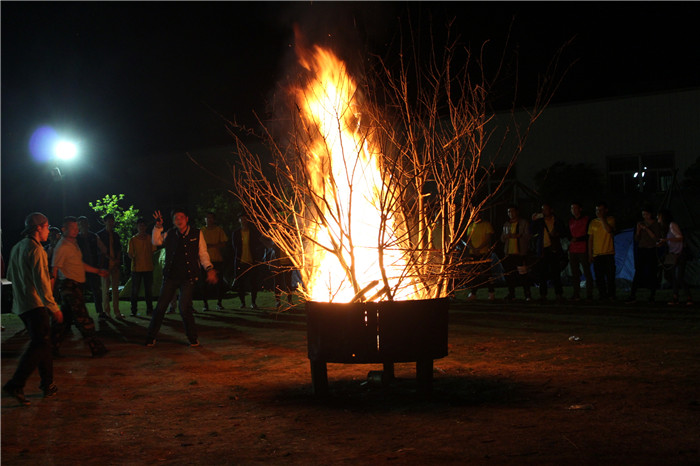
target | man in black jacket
[{"x": 185, "y": 253}]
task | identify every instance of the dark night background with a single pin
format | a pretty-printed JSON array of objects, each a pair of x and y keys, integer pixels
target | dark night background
[{"x": 141, "y": 83}]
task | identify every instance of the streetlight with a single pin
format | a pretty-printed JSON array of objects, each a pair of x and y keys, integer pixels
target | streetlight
[{"x": 46, "y": 145}]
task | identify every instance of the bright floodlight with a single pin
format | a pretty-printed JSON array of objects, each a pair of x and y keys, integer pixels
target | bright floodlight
[{"x": 65, "y": 150}]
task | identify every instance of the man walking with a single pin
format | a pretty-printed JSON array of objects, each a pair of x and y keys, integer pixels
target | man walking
[
  {"x": 28, "y": 270},
  {"x": 185, "y": 253},
  {"x": 69, "y": 268}
]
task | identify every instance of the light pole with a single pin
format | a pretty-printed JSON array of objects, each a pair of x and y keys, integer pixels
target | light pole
[{"x": 64, "y": 151}]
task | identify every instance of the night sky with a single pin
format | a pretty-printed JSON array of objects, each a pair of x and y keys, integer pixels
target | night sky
[{"x": 134, "y": 81}]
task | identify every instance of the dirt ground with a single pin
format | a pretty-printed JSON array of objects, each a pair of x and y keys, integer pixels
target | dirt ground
[{"x": 522, "y": 383}]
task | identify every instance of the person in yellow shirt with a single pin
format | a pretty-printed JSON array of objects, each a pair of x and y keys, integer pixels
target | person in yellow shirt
[
  {"x": 141, "y": 251},
  {"x": 479, "y": 242},
  {"x": 601, "y": 250},
  {"x": 216, "y": 240}
]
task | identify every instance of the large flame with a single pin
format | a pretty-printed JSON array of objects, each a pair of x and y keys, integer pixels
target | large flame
[{"x": 356, "y": 251}]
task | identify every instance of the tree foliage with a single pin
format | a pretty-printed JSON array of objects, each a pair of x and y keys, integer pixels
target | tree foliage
[{"x": 125, "y": 218}]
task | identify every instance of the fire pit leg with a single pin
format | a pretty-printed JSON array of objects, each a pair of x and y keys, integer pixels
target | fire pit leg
[
  {"x": 424, "y": 375},
  {"x": 319, "y": 377}
]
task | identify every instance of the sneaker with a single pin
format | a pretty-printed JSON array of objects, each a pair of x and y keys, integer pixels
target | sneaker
[
  {"x": 689, "y": 302},
  {"x": 242, "y": 304},
  {"x": 194, "y": 344},
  {"x": 205, "y": 308},
  {"x": 121, "y": 317},
  {"x": 254, "y": 306},
  {"x": 528, "y": 299},
  {"x": 471, "y": 297},
  {"x": 16, "y": 393},
  {"x": 151, "y": 342},
  {"x": 50, "y": 391},
  {"x": 492, "y": 296},
  {"x": 102, "y": 317},
  {"x": 219, "y": 307}
]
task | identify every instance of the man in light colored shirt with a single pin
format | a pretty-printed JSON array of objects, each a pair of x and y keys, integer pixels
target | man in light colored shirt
[
  {"x": 69, "y": 268},
  {"x": 33, "y": 301}
]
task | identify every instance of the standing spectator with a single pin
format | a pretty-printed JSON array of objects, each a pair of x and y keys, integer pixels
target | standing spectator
[
  {"x": 479, "y": 243},
  {"x": 141, "y": 251},
  {"x": 578, "y": 251},
  {"x": 549, "y": 230},
  {"x": 601, "y": 250},
  {"x": 185, "y": 253},
  {"x": 646, "y": 235},
  {"x": 112, "y": 263},
  {"x": 516, "y": 238},
  {"x": 69, "y": 269},
  {"x": 33, "y": 301},
  {"x": 94, "y": 252},
  {"x": 676, "y": 258},
  {"x": 216, "y": 240},
  {"x": 248, "y": 254}
]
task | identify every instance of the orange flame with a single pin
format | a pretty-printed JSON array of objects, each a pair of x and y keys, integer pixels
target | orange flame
[{"x": 355, "y": 251}]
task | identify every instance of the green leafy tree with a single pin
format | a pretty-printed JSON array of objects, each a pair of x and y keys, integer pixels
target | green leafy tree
[{"x": 125, "y": 218}]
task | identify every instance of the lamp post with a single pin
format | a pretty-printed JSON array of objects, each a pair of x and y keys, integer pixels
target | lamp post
[{"x": 63, "y": 151}]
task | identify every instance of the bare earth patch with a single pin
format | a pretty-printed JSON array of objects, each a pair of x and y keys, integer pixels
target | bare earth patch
[{"x": 522, "y": 383}]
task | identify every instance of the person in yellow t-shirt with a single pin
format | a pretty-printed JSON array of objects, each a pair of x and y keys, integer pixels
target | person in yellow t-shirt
[
  {"x": 141, "y": 250},
  {"x": 601, "y": 250},
  {"x": 480, "y": 241},
  {"x": 515, "y": 237},
  {"x": 216, "y": 240}
]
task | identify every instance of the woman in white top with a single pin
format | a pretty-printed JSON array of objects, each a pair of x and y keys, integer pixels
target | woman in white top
[{"x": 675, "y": 244}]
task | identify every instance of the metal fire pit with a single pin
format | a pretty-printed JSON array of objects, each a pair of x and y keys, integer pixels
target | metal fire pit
[{"x": 385, "y": 333}]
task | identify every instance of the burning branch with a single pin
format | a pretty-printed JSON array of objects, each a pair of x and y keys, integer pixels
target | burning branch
[{"x": 371, "y": 190}]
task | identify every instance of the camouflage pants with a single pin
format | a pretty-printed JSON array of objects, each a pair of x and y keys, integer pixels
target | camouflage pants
[{"x": 74, "y": 302}]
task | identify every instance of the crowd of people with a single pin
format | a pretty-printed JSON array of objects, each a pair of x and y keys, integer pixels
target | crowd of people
[
  {"x": 535, "y": 254},
  {"x": 50, "y": 269}
]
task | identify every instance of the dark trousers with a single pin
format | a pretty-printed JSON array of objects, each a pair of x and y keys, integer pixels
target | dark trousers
[
  {"x": 74, "y": 302},
  {"x": 136, "y": 279},
  {"x": 215, "y": 290},
  {"x": 646, "y": 271},
  {"x": 676, "y": 275},
  {"x": 167, "y": 292},
  {"x": 482, "y": 272},
  {"x": 94, "y": 283},
  {"x": 550, "y": 270},
  {"x": 248, "y": 279},
  {"x": 513, "y": 277},
  {"x": 604, "y": 268},
  {"x": 579, "y": 261},
  {"x": 37, "y": 355}
]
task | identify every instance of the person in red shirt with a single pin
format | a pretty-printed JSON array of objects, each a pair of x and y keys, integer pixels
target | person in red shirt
[{"x": 578, "y": 251}]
